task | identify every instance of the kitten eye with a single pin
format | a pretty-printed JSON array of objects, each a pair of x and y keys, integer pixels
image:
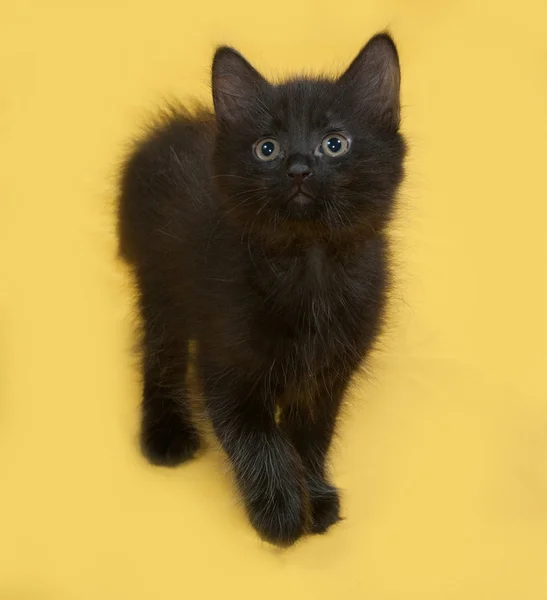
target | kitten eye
[
  {"x": 267, "y": 149},
  {"x": 334, "y": 145}
]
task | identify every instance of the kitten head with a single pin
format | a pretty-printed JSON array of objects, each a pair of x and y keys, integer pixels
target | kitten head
[{"x": 310, "y": 156}]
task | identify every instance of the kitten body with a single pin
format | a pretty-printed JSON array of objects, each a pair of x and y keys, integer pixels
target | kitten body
[{"x": 251, "y": 237}]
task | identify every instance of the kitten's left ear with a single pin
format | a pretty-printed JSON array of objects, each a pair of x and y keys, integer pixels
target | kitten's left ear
[
  {"x": 373, "y": 80},
  {"x": 237, "y": 85}
]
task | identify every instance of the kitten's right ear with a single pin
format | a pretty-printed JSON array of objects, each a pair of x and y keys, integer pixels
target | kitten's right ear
[
  {"x": 374, "y": 79},
  {"x": 236, "y": 85}
]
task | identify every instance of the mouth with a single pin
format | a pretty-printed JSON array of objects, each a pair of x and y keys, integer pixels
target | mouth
[{"x": 301, "y": 197}]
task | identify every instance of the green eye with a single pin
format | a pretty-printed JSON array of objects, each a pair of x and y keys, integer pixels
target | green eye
[
  {"x": 334, "y": 145},
  {"x": 267, "y": 149}
]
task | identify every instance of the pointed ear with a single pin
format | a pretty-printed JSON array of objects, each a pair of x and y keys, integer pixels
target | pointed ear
[
  {"x": 236, "y": 85},
  {"x": 373, "y": 81}
]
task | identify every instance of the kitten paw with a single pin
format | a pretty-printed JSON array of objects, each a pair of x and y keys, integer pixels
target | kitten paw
[
  {"x": 325, "y": 506},
  {"x": 282, "y": 517},
  {"x": 169, "y": 441}
]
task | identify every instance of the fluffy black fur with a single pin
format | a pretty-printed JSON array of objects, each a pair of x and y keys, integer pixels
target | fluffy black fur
[{"x": 282, "y": 294}]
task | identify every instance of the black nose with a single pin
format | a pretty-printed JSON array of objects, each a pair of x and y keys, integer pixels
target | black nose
[{"x": 298, "y": 172}]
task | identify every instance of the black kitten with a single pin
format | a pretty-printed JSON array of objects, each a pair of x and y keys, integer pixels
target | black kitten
[{"x": 260, "y": 233}]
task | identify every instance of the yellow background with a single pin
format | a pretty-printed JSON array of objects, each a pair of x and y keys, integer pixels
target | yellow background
[{"x": 443, "y": 455}]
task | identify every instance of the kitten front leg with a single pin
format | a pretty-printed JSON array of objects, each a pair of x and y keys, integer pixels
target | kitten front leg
[
  {"x": 309, "y": 419},
  {"x": 268, "y": 471}
]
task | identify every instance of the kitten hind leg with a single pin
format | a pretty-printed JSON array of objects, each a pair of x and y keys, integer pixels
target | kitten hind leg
[{"x": 168, "y": 436}]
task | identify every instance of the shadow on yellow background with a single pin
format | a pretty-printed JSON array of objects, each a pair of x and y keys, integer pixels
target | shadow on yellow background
[{"x": 443, "y": 456}]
